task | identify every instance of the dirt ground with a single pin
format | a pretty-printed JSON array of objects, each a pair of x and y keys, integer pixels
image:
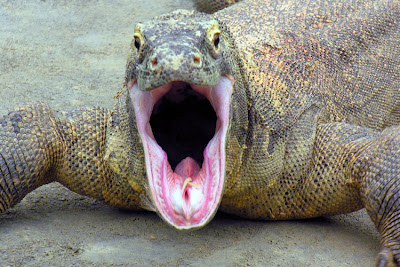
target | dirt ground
[{"x": 72, "y": 54}]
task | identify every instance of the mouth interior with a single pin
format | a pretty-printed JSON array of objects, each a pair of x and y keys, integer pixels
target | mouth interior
[
  {"x": 183, "y": 122},
  {"x": 183, "y": 129}
]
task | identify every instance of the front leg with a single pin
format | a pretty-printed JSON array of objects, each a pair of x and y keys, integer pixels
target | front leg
[
  {"x": 379, "y": 170},
  {"x": 29, "y": 146},
  {"x": 39, "y": 145},
  {"x": 367, "y": 165}
]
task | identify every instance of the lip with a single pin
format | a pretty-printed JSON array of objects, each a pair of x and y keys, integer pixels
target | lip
[{"x": 187, "y": 197}]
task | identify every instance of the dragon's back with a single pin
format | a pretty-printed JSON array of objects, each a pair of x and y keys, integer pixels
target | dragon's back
[{"x": 342, "y": 56}]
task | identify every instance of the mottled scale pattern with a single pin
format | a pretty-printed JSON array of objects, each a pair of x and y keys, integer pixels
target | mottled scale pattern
[
  {"x": 125, "y": 157},
  {"x": 313, "y": 115},
  {"x": 307, "y": 63},
  {"x": 174, "y": 57},
  {"x": 30, "y": 145},
  {"x": 212, "y": 6},
  {"x": 323, "y": 79},
  {"x": 380, "y": 185},
  {"x": 40, "y": 145}
]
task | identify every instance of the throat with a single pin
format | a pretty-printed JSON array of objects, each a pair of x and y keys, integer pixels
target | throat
[{"x": 183, "y": 122}]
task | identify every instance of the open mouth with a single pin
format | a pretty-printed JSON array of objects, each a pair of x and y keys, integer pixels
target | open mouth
[{"x": 183, "y": 128}]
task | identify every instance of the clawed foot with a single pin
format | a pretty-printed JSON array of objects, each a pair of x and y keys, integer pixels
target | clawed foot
[{"x": 386, "y": 258}]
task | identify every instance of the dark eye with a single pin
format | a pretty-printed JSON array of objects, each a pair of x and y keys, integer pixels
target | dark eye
[
  {"x": 137, "y": 42},
  {"x": 216, "y": 40}
]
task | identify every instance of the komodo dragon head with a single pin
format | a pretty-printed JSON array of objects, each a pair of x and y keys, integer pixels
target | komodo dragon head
[{"x": 181, "y": 85}]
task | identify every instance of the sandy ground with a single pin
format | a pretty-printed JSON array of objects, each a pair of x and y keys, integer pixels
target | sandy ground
[{"x": 72, "y": 54}]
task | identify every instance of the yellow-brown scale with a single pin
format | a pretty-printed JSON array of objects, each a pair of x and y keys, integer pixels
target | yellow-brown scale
[
  {"x": 40, "y": 146},
  {"x": 316, "y": 84}
]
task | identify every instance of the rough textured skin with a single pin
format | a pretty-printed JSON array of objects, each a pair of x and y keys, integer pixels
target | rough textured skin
[
  {"x": 312, "y": 126},
  {"x": 39, "y": 145},
  {"x": 213, "y": 6},
  {"x": 306, "y": 66}
]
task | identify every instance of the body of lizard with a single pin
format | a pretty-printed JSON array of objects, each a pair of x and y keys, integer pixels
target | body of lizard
[{"x": 265, "y": 110}]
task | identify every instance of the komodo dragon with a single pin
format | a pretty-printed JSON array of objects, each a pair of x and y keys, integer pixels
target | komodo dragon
[{"x": 266, "y": 109}]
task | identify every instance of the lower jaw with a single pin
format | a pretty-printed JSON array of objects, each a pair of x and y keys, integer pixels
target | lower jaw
[{"x": 191, "y": 194}]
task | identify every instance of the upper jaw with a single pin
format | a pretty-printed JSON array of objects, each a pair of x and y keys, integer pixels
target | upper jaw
[
  {"x": 189, "y": 196},
  {"x": 182, "y": 69}
]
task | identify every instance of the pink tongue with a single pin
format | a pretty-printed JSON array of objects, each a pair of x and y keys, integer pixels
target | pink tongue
[{"x": 187, "y": 168}]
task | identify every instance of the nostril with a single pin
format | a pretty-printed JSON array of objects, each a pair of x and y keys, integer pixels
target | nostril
[
  {"x": 196, "y": 60},
  {"x": 154, "y": 62}
]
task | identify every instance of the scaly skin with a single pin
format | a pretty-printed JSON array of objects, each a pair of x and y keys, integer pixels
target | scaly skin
[{"x": 312, "y": 117}]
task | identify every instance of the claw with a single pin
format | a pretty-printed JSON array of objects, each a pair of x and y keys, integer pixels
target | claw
[{"x": 385, "y": 259}]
